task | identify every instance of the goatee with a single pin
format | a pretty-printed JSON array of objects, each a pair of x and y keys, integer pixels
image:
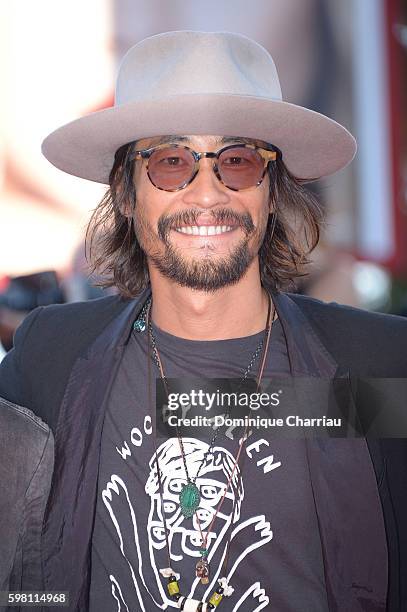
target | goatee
[{"x": 206, "y": 274}]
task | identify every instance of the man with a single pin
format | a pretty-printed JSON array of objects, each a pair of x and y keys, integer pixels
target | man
[{"x": 197, "y": 233}]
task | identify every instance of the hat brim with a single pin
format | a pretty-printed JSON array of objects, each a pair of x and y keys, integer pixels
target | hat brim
[{"x": 312, "y": 144}]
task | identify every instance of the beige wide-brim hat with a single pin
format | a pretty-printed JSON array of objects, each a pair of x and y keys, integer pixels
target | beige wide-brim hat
[{"x": 200, "y": 83}]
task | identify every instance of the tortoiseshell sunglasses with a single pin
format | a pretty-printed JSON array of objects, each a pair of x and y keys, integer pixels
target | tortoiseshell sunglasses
[{"x": 171, "y": 167}]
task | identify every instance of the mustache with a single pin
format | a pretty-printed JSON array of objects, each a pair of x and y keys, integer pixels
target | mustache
[{"x": 221, "y": 216}]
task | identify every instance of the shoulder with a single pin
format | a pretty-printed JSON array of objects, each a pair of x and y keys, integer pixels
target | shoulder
[
  {"x": 81, "y": 313},
  {"x": 349, "y": 316},
  {"x": 46, "y": 344},
  {"x": 62, "y": 331},
  {"x": 21, "y": 428},
  {"x": 65, "y": 326},
  {"x": 26, "y": 442},
  {"x": 371, "y": 341}
]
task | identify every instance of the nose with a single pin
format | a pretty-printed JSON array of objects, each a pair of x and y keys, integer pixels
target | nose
[{"x": 206, "y": 191}]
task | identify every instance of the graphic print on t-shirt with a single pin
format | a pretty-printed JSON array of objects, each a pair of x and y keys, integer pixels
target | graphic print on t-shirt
[
  {"x": 142, "y": 539},
  {"x": 275, "y": 558}
]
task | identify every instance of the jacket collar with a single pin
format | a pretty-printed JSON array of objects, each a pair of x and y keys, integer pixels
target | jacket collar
[
  {"x": 336, "y": 467},
  {"x": 306, "y": 353}
]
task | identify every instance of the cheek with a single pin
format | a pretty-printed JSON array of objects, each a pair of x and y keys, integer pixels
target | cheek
[
  {"x": 151, "y": 205},
  {"x": 260, "y": 200},
  {"x": 145, "y": 197},
  {"x": 260, "y": 210}
]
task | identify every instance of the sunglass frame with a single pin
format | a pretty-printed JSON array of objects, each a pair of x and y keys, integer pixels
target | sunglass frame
[{"x": 268, "y": 155}]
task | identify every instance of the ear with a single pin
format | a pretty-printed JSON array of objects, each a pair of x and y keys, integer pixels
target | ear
[
  {"x": 124, "y": 205},
  {"x": 125, "y": 208}
]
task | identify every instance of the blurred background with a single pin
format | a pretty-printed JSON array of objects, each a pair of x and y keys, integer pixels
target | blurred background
[{"x": 346, "y": 59}]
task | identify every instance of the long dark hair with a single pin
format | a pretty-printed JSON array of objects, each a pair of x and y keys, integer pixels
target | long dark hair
[{"x": 114, "y": 252}]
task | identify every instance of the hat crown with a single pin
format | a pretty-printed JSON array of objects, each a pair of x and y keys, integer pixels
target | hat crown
[
  {"x": 190, "y": 62},
  {"x": 190, "y": 82}
]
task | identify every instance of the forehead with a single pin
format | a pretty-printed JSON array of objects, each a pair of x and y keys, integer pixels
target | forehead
[{"x": 206, "y": 142}]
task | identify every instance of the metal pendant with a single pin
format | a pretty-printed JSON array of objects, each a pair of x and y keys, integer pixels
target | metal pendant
[
  {"x": 189, "y": 499},
  {"x": 202, "y": 570},
  {"x": 139, "y": 325}
]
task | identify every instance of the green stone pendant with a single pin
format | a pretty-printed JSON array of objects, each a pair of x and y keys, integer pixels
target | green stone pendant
[{"x": 189, "y": 499}]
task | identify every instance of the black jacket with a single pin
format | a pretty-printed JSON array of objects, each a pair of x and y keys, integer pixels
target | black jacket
[{"x": 62, "y": 368}]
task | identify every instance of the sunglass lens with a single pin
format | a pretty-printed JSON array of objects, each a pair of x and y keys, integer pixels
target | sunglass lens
[
  {"x": 171, "y": 167},
  {"x": 240, "y": 167}
]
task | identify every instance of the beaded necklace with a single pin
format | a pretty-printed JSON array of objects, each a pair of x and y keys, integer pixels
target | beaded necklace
[
  {"x": 190, "y": 496},
  {"x": 202, "y": 567}
]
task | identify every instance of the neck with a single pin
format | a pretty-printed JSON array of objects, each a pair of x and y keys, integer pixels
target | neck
[{"x": 231, "y": 312}]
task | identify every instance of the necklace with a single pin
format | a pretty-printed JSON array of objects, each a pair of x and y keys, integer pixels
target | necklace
[
  {"x": 202, "y": 567},
  {"x": 190, "y": 496}
]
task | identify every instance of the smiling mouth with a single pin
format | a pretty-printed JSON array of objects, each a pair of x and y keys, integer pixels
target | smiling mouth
[{"x": 204, "y": 230}]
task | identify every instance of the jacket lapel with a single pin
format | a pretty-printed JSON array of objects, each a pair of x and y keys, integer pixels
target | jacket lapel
[
  {"x": 344, "y": 485},
  {"x": 306, "y": 353},
  {"x": 69, "y": 516}
]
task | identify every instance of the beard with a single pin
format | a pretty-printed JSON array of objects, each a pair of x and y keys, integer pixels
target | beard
[{"x": 206, "y": 273}]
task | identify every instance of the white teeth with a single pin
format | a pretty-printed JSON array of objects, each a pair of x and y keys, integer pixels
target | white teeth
[{"x": 204, "y": 230}]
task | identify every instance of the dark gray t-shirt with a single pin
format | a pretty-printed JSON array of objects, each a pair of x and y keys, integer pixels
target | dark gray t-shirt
[{"x": 275, "y": 560}]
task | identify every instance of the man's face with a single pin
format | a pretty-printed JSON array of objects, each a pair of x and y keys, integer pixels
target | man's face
[{"x": 213, "y": 260}]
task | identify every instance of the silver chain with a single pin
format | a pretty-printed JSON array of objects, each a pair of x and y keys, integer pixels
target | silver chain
[{"x": 141, "y": 320}]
